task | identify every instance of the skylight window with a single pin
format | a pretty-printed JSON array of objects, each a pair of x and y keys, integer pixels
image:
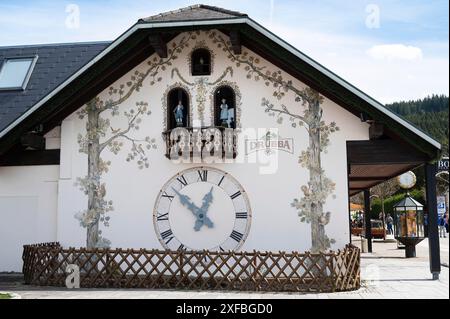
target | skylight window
[{"x": 15, "y": 73}]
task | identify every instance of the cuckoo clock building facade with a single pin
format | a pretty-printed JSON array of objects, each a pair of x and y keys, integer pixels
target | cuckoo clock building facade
[{"x": 211, "y": 140}]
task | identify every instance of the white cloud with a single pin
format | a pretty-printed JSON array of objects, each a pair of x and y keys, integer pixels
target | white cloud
[{"x": 395, "y": 52}]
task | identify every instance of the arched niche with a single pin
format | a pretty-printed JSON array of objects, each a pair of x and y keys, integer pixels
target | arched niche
[
  {"x": 175, "y": 95},
  {"x": 201, "y": 62},
  {"x": 225, "y": 94}
]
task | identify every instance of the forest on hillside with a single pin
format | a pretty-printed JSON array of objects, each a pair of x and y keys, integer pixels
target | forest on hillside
[{"x": 429, "y": 114}]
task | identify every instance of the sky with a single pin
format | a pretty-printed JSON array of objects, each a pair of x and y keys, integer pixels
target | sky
[{"x": 391, "y": 49}]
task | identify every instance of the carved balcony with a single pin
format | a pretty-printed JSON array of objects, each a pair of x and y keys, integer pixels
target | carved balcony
[{"x": 200, "y": 143}]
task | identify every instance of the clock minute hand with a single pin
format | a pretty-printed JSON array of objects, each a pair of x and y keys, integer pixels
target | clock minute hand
[
  {"x": 202, "y": 216},
  {"x": 207, "y": 200}
]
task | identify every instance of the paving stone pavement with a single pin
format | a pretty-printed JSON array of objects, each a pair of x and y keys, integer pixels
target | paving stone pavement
[{"x": 386, "y": 274}]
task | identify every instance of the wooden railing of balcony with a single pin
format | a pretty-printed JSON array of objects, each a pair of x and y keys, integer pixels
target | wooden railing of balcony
[{"x": 188, "y": 142}]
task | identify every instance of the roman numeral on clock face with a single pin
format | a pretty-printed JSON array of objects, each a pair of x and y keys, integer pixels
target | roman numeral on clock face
[
  {"x": 165, "y": 195},
  {"x": 235, "y": 195},
  {"x": 237, "y": 236},
  {"x": 203, "y": 174},
  {"x": 162, "y": 217},
  {"x": 242, "y": 215},
  {"x": 182, "y": 180},
  {"x": 167, "y": 234},
  {"x": 221, "y": 180}
]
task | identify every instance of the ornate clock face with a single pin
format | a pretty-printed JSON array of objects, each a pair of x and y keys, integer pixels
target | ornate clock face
[
  {"x": 407, "y": 180},
  {"x": 202, "y": 208}
]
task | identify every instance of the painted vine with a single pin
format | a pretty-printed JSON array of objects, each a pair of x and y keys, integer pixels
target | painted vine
[
  {"x": 310, "y": 206},
  {"x": 100, "y": 135}
]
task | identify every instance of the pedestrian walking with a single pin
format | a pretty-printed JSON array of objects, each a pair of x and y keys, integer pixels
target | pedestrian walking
[
  {"x": 446, "y": 222},
  {"x": 389, "y": 223}
]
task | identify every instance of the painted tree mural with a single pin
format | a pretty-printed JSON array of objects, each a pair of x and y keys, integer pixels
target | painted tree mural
[
  {"x": 308, "y": 115},
  {"x": 101, "y": 135}
]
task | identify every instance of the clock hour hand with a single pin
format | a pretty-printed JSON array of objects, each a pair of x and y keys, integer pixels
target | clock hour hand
[{"x": 186, "y": 201}]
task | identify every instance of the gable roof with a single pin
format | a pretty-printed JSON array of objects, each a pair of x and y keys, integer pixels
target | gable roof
[
  {"x": 253, "y": 36},
  {"x": 54, "y": 64},
  {"x": 193, "y": 13}
]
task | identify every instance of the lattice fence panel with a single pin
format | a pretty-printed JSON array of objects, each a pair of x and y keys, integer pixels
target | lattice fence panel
[{"x": 45, "y": 265}]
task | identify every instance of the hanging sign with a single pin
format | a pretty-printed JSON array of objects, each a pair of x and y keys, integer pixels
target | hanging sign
[{"x": 442, "y": 165}]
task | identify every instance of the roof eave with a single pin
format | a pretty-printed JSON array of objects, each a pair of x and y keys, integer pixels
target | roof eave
[{"x": 141, "y": 24}]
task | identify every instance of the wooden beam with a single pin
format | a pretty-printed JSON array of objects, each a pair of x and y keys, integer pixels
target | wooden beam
[
  {"x": 376, "y": 130},
  {"x": 367, "y": 221},
  {"x": 33, "y": 141},
  {"x": 235, "y": 39},
  {"x": 368, "y": 178},
  {"x": 158, "y": 44},
  {"x": 360, "y": 189},
  {"x": 31, "y": 158}
]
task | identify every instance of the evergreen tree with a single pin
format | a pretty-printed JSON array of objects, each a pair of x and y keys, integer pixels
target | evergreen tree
[{"x": 429, "y": 114}]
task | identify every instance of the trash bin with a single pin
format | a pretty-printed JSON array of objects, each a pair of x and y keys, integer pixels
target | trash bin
[{"x": 364, "y": 245}]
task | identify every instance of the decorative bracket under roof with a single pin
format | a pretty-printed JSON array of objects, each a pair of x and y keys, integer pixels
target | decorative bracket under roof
[
  {"x": 158, "y": 44},
  {"x": 235, "y": 38}
]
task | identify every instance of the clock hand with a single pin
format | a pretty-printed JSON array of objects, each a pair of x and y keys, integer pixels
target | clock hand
[
  {"x": 199, "y": 213},
  {"x": 186, "y": 201},
  {"x": 203, "y": 221},
  {"x": 207, "y": 200},
  {"x": 198, "y": 224},
  {"x": 208, "y": 222}
]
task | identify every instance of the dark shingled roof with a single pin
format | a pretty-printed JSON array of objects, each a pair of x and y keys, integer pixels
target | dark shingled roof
[
  {"x": 55, "y": 63},
  {"x": 195, "y": 12}
]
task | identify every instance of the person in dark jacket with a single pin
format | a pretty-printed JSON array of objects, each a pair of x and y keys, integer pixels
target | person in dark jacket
[{"x": 389, "y": 222}]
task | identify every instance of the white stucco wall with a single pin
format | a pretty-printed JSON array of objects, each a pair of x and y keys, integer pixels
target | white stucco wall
[
  {"x": 28, "y": 197},
  {"x": 275, "y": 224}
]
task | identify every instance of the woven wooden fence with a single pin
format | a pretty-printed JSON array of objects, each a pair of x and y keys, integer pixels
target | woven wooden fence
[{"x": 45, "y": 265}]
